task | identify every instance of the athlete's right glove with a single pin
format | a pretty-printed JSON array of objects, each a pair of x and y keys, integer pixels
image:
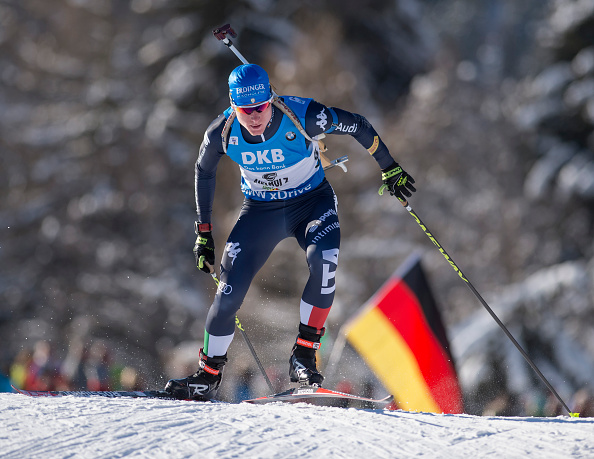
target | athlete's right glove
[
  {"x": 398, "y": 182},
  {"x": 204, "y": 247}
]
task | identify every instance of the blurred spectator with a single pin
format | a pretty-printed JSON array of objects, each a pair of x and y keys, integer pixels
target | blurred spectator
[
  {"x": 553, "y": 408},
  {"x": 37, "y": 378},
  {"x": 505, "y": 404},
  {"x": 534, "y": 404},
  {"x": 130, "y": 379},
  {"x": 244, "y": 386},
  {"x": 84, "y": 368},
  {"x": 97, "y": 367},
  {"x": 73, "y": 365},
  {"x": 5, "y": 383},
  {"x": 41, "y": 372},
  {"x": 20, "y": 368}
]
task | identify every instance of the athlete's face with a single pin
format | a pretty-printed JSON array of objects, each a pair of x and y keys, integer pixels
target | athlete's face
[{"x": 256, "y": 121}]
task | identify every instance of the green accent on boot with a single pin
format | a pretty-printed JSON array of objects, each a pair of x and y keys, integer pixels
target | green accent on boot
[{"x": 206, "y": 339}]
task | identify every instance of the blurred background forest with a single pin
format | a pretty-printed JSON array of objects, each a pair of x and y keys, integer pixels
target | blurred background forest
[{"x": 489, "y": 105}]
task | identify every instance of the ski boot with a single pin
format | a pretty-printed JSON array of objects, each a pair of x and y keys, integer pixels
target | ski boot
[
  {"x": 203, "y": 384},
  {"x": 302, "y": 364}
]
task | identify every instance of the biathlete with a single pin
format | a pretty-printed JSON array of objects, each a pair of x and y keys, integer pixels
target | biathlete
[{"x": 274, "y": 141}]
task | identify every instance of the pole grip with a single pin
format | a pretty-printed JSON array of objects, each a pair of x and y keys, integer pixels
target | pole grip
[{"x": 221, "y": 34}]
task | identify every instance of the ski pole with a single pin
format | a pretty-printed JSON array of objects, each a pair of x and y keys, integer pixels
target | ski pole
[
  {"x": 253, "y": 351},
  {"x": 248, "y": 342},
  {"x": 484, "y": 303}
]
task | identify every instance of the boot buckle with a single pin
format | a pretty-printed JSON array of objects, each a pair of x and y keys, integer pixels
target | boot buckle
[{"x": 309, "y": 344}]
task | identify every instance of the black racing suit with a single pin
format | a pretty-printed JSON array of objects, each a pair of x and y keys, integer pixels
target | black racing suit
[{"x": 311, "y": 218}]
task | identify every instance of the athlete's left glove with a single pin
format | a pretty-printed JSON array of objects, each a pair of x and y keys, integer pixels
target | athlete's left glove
[
  {"x": 397, "y": 182},
  {"x": 204, "y": 247}
]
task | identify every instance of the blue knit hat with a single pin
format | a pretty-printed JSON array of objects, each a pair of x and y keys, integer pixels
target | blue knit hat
[{"x": 249, "y": 85}]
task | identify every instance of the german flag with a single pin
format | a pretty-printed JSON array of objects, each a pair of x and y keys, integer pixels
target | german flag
[{"x": 400, "y": 334}]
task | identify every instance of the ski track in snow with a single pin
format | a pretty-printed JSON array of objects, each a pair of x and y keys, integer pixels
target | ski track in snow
[{"x": 72, "y": 427}]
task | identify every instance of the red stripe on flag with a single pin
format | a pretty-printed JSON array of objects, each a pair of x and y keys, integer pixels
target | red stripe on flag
[{"x": 402, "y": 308}]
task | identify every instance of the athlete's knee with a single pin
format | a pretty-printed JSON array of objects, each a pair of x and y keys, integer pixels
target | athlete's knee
[
  {"x": 322, "y": 266},
  {"x": 318, "y": 256},
  {"x": 231, "y": 291},
  {"x": 224, "y": 307}
]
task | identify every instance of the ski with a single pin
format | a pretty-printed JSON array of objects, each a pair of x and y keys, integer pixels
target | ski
[
  {"x": 316, "y": 395},
  {"x": 98, "y": 393}
]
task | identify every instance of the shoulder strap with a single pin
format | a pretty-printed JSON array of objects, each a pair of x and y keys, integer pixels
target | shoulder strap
[
  {"x": 280, "y": 104},
  {"x": 316, "y": 141},
  {"x": 227, "y": 129}
]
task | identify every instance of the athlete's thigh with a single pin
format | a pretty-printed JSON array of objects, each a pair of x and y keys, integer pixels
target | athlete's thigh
[
  {"x": 257, "y": 231},
  {"x": 320, "y": 226},
  {"x": 254, "y": 236},
  {"x": 321, "y": 241}
]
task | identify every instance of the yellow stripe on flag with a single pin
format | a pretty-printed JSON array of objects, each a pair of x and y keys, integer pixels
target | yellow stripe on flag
[{"x": 390, "y": 358}]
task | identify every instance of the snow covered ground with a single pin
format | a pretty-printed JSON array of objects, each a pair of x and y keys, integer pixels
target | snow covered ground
[{"x": 69, "y": 427}]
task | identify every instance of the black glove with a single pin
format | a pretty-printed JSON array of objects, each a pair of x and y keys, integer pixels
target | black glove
[
  {"x": 204, "y": 248},
  {"x": 398, "y": 182}
]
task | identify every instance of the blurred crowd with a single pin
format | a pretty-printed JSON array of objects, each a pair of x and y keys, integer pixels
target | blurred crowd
[
  {"x": 92, "y": 367},
  {"x": 84, "y": 368},
  {"x": 541, "y": 405}
]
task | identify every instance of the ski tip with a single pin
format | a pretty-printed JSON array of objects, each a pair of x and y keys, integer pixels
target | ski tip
[{"x": 16, "y": 389}]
